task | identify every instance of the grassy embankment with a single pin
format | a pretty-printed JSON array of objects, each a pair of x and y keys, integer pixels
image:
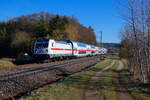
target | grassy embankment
[
  {"x": 70, "y": 88},
  {"x": 138, "y": 92},
  {"x": 6, "y": 63}
]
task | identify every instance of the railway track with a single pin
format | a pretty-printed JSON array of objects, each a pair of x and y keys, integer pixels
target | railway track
[
  {"x": 22, "y": 80},
  {"x": 34, "y": 70}
]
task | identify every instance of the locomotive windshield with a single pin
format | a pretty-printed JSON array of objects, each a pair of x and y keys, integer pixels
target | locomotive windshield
[{"x": 41, "y": 45}]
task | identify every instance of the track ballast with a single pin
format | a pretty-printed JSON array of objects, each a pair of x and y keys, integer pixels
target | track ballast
[{"x": 19, "y": 81}]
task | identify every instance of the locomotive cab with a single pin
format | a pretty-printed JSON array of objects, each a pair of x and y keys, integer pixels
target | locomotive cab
[{"x": 41, "y": 48}]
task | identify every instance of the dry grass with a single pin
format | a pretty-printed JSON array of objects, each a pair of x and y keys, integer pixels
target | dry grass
[
  {"x": 138, "y": 92},
  {"x": 5, "y": 63}
]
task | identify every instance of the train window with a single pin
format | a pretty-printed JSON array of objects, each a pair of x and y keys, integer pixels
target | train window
[{"x": 82, "y": 52}]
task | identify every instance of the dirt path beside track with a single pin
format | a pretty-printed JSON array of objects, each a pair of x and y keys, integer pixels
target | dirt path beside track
[
  {"x": 92, "y": 93},
  {"x": 122, "y": 93}
]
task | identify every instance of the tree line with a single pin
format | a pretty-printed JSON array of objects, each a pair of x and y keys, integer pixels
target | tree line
[
  {"x": 135, "y": 44},
  {"x": 17, "y": 35}
]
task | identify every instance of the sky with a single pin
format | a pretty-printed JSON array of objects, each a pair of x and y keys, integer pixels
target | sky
[{"x": 100, "y": 14}]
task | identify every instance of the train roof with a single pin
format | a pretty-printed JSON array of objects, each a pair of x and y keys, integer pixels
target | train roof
[
  {"x": 79, "y": 43},
  {"x": 92, "y": 46},
  {"x": 84, "y": 45},
  {"x": 62, "y": 42}
]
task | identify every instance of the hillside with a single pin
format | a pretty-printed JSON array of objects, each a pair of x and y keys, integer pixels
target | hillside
[{"x": 111, "y": 45}]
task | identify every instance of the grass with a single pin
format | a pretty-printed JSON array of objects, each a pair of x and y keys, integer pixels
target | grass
[
  {"x": 114, "y": 57},
  {"x": 138, "y": 92},
  {"x": 55, "y": 92},
  {"x": 5, "y": 63},
  {"x": 105, "y": 84},
  {"x": 74, "y": 86},
  {"x": 70, "y": 88}
]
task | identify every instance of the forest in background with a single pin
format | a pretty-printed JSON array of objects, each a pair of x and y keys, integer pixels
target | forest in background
[{"x": 17, "y": 35}]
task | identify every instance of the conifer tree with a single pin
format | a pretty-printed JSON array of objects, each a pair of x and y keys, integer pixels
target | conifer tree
[{"x": 42, "y": 29}]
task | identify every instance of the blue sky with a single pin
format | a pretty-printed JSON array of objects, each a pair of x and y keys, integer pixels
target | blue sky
[{"x": 100, "y": 14}]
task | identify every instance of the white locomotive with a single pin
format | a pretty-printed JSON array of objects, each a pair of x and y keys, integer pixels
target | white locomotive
[{"x": 51, "y": 49}]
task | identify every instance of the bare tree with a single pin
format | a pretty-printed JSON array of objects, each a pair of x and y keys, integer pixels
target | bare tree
[{"x": 137, "y": 35}]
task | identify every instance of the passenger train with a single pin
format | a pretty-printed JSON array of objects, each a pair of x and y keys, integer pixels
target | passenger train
[{"x": 51, "y": 49}]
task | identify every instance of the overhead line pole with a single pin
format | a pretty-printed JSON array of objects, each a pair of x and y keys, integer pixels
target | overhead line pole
[{"x": 101, "y": 38}]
